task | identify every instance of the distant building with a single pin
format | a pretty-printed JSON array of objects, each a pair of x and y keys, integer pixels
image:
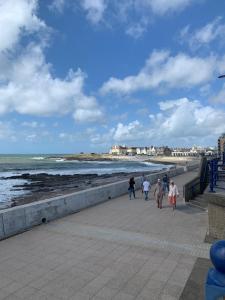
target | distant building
[
  {"x": 194, "y": 151},
  {"x": 151, "y": 151},
  {"x": 141, "y": 150},
  {"x": 131, "y": 151},
  {"x": 221, "y": 144},
  {"x": 163, "y": 151},
  {"x": 118, "y": 150}
]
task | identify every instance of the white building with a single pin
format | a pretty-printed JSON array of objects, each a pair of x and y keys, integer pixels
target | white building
[
  {"x": 141, "y": 150},
  {"x": 118, "y": 150}
]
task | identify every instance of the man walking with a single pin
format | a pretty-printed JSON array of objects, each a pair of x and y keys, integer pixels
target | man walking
[
  {"x": 146, "y": 187},
  {"x": 158, "y": 193}
]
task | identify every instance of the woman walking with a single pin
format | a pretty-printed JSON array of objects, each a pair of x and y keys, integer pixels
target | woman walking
[
  {"x": 131, "y": 187},
  {"x": 173, "y": 194},
  {"x": 158, "y": 193}
]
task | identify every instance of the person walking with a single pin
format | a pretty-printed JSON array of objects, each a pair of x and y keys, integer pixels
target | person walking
[
  {"x": 131, "y": 188},
  {"x": 159, "y": 193},
  {"x": 142, "y": 180},
  {"x": 165, "y": 183},
  {"x": 146, "y": 186},
  {"x": 173, "y": 194}
]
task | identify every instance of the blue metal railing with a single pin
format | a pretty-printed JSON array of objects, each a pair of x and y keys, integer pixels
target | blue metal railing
[{"x": 214, "y": 166}]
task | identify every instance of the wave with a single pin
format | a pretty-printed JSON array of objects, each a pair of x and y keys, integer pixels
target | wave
[
  {"x": 60, "y": 160},
  {"x": 8, "y": 191},
  {"x": 97, "y": 162},
  {"x": 38, "y": 157}
]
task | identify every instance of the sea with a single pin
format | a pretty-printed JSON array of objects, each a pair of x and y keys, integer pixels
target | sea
[{"x": 11, "y": 165}]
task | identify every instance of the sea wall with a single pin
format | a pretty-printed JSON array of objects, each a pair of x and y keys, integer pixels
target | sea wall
[{"x": 20, "y": 218}]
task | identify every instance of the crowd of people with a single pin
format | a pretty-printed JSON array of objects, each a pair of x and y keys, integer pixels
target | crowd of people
[{"x": 162, "y": 187}]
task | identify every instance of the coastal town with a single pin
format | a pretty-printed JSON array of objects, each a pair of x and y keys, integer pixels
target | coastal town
[{"x": 194, "y": 151}]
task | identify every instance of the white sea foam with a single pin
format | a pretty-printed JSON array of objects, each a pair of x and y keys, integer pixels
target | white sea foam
[
  {"x": 60, "y": 160},
  {"x": 38, "y": 158},
  {"x": 7, "y": 191}
]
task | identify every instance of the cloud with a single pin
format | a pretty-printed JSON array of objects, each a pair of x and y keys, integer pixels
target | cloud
[
  {"x": 6, "y": 131},
  {"x": 33, "y": 124},
  {"x": 161, "y": 7},
  {"x": 27, "y": 85},
  {"x": 16, "y": 19},
  {"x": 134, "y": 16},
  {"x": 94, "y": 9},
  {"x": 178, "y": 122},
  {"x": 137, "y": 30},
  {"x": 31, "y": 137},
  {"x": 57, "y": 5},
  {"x": 204, "y": 35},
  {"x": 220, "y": 97},
  {"x": 31, "y": 89},
  {"x": 162, "y": 69},
  {"x": 128, "y": 132}
]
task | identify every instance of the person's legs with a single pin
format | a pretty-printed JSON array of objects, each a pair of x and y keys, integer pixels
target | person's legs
[
  {"x": 134, "y": 193},
  {"x": 146, "y": 195},
  {"x": 160, "y": 203},
  {"x": 130, "y": 192},
  {"x": 174, "y": 202}
]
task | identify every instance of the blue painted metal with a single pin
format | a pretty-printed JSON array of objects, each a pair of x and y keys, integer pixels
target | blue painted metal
[{"x": 215, "y": 280}]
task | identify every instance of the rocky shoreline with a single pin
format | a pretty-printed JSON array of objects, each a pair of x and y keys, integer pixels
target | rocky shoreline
[{"x": 44, "y": 186}]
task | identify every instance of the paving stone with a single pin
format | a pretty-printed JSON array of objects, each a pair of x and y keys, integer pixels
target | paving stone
[
  {"x": 120, "y": 249},
  {"x": 123, "y": 296}
]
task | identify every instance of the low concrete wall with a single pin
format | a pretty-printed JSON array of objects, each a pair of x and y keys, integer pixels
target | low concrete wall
[
  {"x": 195, "y": 187},
  {"x": 216, "y": 215},
  {"x": 18, "y": 219},
  {"x": 192, "y": 189}
]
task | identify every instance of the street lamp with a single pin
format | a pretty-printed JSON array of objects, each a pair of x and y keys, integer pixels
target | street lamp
[{"x": 223, "y": 154}]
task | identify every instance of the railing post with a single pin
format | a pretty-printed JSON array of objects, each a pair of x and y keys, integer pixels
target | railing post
[
  {"x": 211, "y": 176},
  {"x": 215, "y": 280},
  {"x": 215, "y": 170}
]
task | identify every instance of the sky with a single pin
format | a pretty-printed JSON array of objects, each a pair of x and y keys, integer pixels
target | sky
[{"x": 83, "y": 75}]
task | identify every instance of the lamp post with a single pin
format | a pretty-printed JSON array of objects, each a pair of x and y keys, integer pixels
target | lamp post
[{"x": 223, "y": 154}]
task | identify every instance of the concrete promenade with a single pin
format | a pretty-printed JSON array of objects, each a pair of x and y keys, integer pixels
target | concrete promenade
[{"x": 121, "y": 250}]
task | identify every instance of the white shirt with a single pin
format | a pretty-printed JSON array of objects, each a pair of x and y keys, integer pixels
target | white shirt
[
  {"x": 173, "y": 191},
  {"x": 146, "y": 185}
]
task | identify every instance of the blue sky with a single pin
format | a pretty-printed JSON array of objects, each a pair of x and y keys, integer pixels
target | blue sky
[{"x": 82, "y": 75}]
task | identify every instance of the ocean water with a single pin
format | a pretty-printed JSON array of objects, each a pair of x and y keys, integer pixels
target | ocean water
[{"x": 53, "y": 164}]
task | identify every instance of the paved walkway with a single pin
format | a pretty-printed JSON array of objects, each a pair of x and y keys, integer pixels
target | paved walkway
[{"x": 121, "y": 250}]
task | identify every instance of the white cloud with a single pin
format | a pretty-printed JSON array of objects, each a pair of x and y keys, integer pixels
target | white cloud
[
  {"x": 179, "y": 122},
  {"x": 128, "y": 132},
  {"x": 161, "y": 7},
  {"x": 220, "y": 97},
  {"x": 31, "y": 137},
  {"x": 205, "y": 35},
  {"x": 6, "y": 131},
  {"x": 31, "y": 89},
  {"x": 16, "y": 18},
  {"x": 137, "y": 30},
  {"x": 57, "y": 5},
  {"x": 95, "y": 9},
  {"x": 162, "y": 69},
  {"x": 32, "y": 124},
  {"x": 27, "y": 85},
  {"x": 135, "y": 16}
]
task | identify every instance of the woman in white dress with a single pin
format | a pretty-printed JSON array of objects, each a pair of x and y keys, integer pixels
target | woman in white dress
[{"x": 173, "y": 194}]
